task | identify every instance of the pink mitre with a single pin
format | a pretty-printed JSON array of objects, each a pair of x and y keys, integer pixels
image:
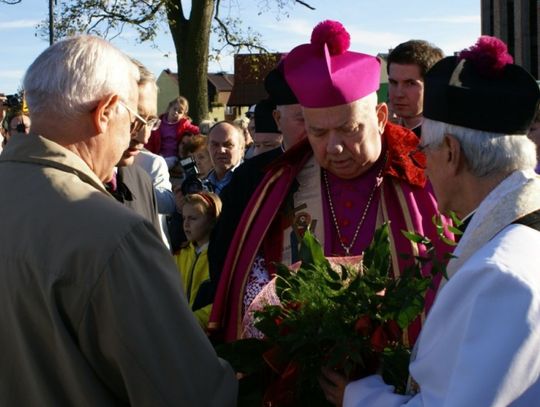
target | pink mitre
[{"x": 324, "y": 73}]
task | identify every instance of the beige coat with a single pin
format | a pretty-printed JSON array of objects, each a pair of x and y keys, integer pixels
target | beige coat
[{"x": 91, "y": 307}]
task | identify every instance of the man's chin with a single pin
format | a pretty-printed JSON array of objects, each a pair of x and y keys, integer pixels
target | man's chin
[
  {"x": 125, "y": 161},
  {"x": 349, "y": 172}
]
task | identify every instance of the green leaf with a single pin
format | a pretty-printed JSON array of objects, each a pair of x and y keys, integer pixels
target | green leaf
[
  {"x": 333, "y": 274},
  {"x": 396, "y": 368},
  {"x": 455, "y": 230},
  {"x": 449, "y": 242},
  {"x": 311, "y": 251},
  {"x": 410, "y": 311},
  {"x": 414, "y": 237},
  {"x": 345, "y": 272},
  {"x": 378, "y": 252},
  {"x": 458, "y": 222},
  {"x": 335, "y": 286},
  {"x": 283, "y": 274}
]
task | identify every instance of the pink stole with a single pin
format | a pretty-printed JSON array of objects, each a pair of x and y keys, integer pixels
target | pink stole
[{"x": 257, "y": 219}]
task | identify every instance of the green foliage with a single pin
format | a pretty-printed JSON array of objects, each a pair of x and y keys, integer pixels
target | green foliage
[
  {"x": 107, "y": 19},
  {"x": 340, "y": 318},
  {"x": 438, "y": 222}
]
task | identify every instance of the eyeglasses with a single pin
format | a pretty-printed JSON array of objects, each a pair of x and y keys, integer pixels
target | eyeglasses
[
  {"x": 418, "y": 156},
  {"x": 139, "y": 123},
  {"x": 153, "y": 123}
]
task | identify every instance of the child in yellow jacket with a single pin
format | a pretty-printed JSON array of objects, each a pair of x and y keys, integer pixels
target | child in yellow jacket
[{"x": 200, "y": 212}]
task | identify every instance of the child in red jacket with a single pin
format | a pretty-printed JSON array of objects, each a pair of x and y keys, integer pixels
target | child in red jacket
[{"x": 174, "y": 124}]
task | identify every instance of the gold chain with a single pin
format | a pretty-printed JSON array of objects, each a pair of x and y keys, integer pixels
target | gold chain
[{"x": 366, "y": 209}]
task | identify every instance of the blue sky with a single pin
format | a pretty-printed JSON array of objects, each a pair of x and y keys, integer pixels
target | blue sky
[{"x": 375, "y": 26}]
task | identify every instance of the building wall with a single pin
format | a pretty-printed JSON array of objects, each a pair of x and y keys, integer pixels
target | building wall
[
  {"x": 517, "y": 23},
  {"x": 168, "y": 90}
]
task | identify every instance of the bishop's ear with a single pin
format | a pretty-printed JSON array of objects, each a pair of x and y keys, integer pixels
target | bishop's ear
[{"x": 382, "y": 116}]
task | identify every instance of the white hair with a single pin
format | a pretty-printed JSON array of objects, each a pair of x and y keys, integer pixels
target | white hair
[
  {"x": 71, "y": 76},
  {"x": 145, "y": 76},
  {"x": 371, "y": 99},
  {"x": 487, "y": 153}
]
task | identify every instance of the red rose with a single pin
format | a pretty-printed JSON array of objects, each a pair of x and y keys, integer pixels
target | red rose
[
  {"x": 293, "y": 305},
  {"x": 379, "y": 339},
  {"x": 285, "y": 330},
  {"x": 363, "y": 325},
  {"x": 392, "y": 330}
]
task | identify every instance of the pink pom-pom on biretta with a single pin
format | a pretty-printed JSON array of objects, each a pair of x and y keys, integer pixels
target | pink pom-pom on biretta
[
  {"x": 489, "y": 55},
  {"x": 325, "y": 73},
  {"x": 333, "y": 34}
]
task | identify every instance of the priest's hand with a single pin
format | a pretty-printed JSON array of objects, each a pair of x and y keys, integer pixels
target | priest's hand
[{"x": 333, "y": 385}]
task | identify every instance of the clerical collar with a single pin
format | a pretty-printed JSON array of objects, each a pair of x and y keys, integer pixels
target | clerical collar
[
  {"x": 466, "y": 220},
  {"x": 401, "y": 122}
]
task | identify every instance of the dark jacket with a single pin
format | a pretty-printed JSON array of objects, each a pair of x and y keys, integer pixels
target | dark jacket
[
  {"x": 235, "y": 197},
  {"x": 134, "y": 189}
]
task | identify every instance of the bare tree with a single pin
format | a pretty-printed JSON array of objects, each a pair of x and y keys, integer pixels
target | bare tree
[{"x": 191, "y": 33}]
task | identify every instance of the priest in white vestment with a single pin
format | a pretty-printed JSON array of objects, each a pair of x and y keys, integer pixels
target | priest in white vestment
[{"x": 480, "y": 344}]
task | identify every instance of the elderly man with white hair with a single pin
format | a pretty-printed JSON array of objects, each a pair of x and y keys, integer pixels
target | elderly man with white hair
[
  {"x": 92, "y": 307},
  {"x": 479, "y": 345}
]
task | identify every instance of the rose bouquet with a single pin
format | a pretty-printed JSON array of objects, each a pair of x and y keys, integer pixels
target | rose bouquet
[{"x": 334, "y": 317}]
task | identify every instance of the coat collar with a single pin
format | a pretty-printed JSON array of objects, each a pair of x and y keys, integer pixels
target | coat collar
[{"x": 39, "y": 150}]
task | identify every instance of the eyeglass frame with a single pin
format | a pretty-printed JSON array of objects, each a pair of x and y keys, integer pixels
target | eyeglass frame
[{"x": 144, "y": 123}]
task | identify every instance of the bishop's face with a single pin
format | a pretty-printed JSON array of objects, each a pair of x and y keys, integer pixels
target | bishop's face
[{"x": 346, "y": 139}]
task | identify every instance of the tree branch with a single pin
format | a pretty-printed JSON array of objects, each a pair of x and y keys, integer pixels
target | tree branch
[
  {"x": 123, "y": 18},
  {"x": 303, "y": 3},
  {"x": 230, "y": 38}
]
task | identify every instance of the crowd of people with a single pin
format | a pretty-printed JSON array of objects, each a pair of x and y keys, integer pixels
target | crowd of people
[{"x": 155, "y": 237}]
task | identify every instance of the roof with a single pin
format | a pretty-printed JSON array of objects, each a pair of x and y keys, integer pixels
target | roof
[
  {"x": 223, "y": 82},
  {"x": 250, "y": 71}
]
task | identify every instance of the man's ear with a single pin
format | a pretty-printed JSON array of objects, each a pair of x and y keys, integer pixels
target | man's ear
[
  {"x": 455, "y": 157},
  {"x": 101, "y": 115},
  {"x": 276, "y": 114},
  {"x": 382, "y": 116}
]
